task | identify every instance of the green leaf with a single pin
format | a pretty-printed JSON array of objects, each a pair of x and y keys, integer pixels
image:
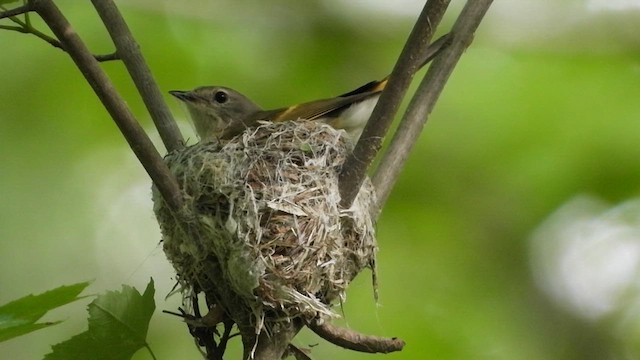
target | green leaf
[
  {"x": 118, "y": 324},
  {"x": 2, "y": 2},
  {"x": 19, "y": 317}
]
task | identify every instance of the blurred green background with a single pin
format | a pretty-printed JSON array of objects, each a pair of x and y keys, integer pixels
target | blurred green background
[{"x": 475, "y": 261}]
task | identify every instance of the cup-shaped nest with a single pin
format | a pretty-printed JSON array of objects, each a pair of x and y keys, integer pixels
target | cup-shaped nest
[{"x": 262, "y": 231}]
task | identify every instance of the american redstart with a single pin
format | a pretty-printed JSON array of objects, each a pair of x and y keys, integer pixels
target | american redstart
[{"x": 221, "y": 112}]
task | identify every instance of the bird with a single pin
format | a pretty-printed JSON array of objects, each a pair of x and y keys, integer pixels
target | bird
[{"x": 219, "y": 112}]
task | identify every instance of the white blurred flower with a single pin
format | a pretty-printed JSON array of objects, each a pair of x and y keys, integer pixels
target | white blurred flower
[
  {"x": 617, "y": 5},
  {"x": 587, "y": 257}
]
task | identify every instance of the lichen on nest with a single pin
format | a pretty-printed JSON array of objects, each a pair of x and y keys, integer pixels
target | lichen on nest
[{"x": 262, "y": 228}]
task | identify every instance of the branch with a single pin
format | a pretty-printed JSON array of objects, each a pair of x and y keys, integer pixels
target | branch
[
  {"x": 16, "y": 11},
  {"x": 107, "y": 57},
  {"x": 425, "y": 98},
  {"x": 355, "y": 167},
  {"x": 129, "y": 51},
  {"x": 352, "y": 340},
  {"x": 25, "y": 27},
  {"x": 297, "y": 353},
  {"x": 121, "y": 114},
  {"x": 272, "y": 345},
  {"x": 224, "y": 338}
]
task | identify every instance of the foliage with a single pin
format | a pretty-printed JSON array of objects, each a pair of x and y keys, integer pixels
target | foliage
[
  {"x": 118, "y": 324},
  {"x": 20, "y": 317}
]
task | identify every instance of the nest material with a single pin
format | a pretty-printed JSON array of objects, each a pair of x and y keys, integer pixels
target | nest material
[{"x": 262, "y": 230}]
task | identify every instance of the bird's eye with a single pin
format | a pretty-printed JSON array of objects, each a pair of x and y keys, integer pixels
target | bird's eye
[{"x": 221, "y": 97}]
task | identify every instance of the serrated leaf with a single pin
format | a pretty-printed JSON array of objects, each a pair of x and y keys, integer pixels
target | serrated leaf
[
  {"x": 19, "y": 317},
  {"x": 81, "y": 346},
  {"x": 125, "y": 313},
  {"x": 118, "y": 325}
]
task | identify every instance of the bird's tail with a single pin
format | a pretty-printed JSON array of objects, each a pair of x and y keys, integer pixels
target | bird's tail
[{"x": 428, "y": 54}]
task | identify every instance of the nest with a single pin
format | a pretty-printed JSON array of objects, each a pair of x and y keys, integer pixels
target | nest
[{"x": 262, "y": 231}]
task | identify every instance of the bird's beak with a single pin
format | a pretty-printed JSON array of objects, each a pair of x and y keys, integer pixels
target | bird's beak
[{"x": 186, "y": 96}]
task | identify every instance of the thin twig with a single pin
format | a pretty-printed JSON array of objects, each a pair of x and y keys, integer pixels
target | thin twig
[
  {"x": 19, "y": 29},
  {"x": 130, "y": 54},
  {"x": 107, "y": 57},
  {"x": 118, "y": 109},
  {"x": 182, "y": 315},
  {"x": 425, "y": 98},
  {"x": 355, "y": 167},
  {"x": 203, "y": 335},
  {"x": 15, "y": 11},
  {"x": 352, "y": 340},
  {"x": 25, "y": 27},
  {"x": 27, "y": 18},
  {"x": 297, "y": 353}
]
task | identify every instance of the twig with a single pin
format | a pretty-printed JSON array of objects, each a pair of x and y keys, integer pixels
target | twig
[
  {"x": 130, "y": 54},
  {"x": 352, "y": 340},
  {"x": 182, "y": 315},
  {"x": 27, "y": 18},
  {"x": 203, "y": 335},
  {"x": 15, "y": 11},
  {"x": 121, "y": 114},
  {"x": 297, "y": 353},
  {"x": 211, "y": 319},
  {"x": 12, "y": 28},
  {"x": 224, "y": 338},
  {"x": 107, "y": 57},
  {"x": 25, "y": 27},
  {"x": 355, "y": 167},
  {"x": 425, "y": 98}
]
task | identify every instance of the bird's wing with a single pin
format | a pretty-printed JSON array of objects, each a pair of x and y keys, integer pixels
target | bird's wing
[
  {"x": 373, "y": 87},
  {"x": 313, "y": 110}
]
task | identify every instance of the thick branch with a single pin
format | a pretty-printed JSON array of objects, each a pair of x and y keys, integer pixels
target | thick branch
[
  {"x": 426, "y": 96},
  {"x": 355, "y": 167},
  {"x": 121, "y": 114},
  {"x": 130, "y": 54},
  {"x": 16, "y": 11},
  {"x": 352, "y": 340}
]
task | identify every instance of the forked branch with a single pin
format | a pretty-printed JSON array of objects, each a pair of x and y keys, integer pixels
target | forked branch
[
  {"x": 9, "y": 13},
  {"x": 140, "y": 73},
  {"x": 115, "y": 105},
  {"x": 425, "y": 99},
  {"x": 354, "y": 170}
]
